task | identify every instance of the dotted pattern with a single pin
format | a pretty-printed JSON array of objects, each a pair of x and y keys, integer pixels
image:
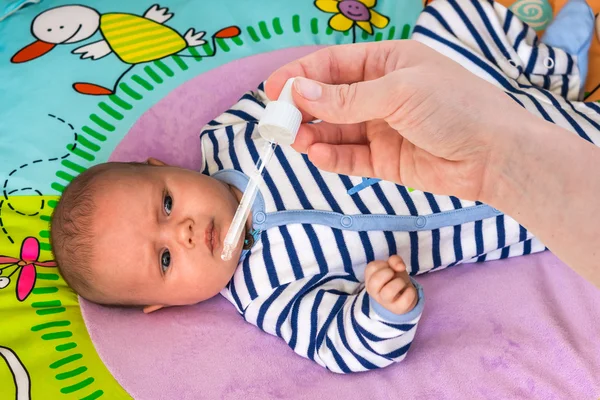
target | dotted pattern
[{"x": 5, "y": 200}]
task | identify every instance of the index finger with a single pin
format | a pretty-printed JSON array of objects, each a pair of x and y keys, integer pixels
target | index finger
[{"x": 342, "y": 64}]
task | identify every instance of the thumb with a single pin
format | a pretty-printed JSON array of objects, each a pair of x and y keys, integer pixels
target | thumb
[{"x": 348, "y": 104}]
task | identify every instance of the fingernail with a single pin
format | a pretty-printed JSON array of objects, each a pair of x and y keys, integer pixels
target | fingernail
[{"x": 308, "y": 89}]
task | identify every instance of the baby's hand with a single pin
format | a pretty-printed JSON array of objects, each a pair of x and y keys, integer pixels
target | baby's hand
[{"x": 388, "y": 283}]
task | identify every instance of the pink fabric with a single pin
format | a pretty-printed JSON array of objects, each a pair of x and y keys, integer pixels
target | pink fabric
[{"x": 525, "y": 328}]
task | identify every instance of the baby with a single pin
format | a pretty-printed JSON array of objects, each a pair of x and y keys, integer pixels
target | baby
[
  {"x": 321, "y": 264},
  {"x": 152, "y": 236}
]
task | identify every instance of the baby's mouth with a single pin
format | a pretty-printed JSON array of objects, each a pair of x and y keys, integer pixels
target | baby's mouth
[{"x": 210, "y": 237}]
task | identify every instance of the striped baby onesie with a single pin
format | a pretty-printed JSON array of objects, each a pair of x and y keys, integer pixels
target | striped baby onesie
[{"x": 303, "y": 279}]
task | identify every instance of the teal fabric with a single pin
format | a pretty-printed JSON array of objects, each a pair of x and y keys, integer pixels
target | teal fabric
[
  {"x": 40, "y": 112},
  {"x": 11, "y": 7}
]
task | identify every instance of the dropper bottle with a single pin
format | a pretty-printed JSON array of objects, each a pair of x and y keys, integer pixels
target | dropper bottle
[{"x": 278, "y": 125}]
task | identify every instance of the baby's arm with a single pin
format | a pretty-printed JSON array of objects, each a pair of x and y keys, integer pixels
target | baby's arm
[{"x": 331, "y": 319}]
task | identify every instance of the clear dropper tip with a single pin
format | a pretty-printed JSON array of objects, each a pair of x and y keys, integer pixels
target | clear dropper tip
[{"x": 227, "y": 252}]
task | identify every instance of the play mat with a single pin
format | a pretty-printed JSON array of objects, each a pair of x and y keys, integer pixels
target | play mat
[{"x": 68, "y": 106}]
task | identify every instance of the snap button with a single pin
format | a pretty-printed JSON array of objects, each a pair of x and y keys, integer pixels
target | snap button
[
  {"x": 346, "y": 221},
  {"x": 512, "y": 62},
  {"x": 260, "y": 217},
  {"x": 421, "y": 222},
  {"x": 548, "y": 63}
]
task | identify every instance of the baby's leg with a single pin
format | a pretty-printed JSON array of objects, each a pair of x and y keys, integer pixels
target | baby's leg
[{"x": 490, "y": 41}]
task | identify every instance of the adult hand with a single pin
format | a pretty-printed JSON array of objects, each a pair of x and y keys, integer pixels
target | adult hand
[{"x": 402, "y": 112}]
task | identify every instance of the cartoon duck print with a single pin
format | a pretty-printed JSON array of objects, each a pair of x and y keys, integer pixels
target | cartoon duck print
[{"x": 133, "y": 39}]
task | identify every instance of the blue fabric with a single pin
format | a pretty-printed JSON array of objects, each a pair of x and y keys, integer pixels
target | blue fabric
[
  {"x": 572, "y": 30},
  {"x": 366, "y": 182},
  {"x": 239, "y": 180},
  {"x": 262, "y": 221},
  {"x": 365, "y": 223}
]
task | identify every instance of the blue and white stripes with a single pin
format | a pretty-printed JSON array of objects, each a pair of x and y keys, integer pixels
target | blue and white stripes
[{"x": 304, "y": 279}]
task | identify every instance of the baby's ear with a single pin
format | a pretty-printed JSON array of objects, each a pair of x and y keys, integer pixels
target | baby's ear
[
  {"x": 155, "y": 162},
  {"x": 149, "y": 309}
]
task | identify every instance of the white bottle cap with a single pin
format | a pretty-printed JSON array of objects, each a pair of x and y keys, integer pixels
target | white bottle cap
[{"x": 281, "y": 120}]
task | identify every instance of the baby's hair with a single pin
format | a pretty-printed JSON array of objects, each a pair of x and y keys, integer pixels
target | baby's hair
[{"x": 72, "y": 236}]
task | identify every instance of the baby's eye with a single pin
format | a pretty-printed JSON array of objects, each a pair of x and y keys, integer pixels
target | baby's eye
[
  {"x": 165, "y": 261},
  {"x": 168, "y": 204}
]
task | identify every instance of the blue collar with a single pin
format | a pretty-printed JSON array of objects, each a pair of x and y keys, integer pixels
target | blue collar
[{"x": 239, "y": 180}]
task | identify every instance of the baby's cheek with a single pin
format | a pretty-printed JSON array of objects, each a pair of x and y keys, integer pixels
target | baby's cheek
[{"x": 204, "y": 279}]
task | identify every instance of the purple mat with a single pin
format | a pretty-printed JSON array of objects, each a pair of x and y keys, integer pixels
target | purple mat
[{"x": 525, "y": 328}]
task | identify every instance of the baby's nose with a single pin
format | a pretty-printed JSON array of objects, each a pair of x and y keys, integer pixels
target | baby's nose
[{"x": 185, "y": 233}]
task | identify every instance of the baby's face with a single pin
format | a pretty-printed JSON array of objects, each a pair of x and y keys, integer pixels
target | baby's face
[{"x": 160, "y": 233}]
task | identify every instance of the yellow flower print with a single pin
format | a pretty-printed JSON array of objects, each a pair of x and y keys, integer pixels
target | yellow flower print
[{"x": 349, "y": 13}]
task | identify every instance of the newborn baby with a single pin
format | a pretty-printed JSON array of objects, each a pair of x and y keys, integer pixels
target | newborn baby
[
  {"x": 322, "y": 261},
  {"x": 151, "y": 235}
]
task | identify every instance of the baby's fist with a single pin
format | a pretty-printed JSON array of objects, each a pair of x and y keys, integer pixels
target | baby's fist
[{"x": 388, "y": 283}]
